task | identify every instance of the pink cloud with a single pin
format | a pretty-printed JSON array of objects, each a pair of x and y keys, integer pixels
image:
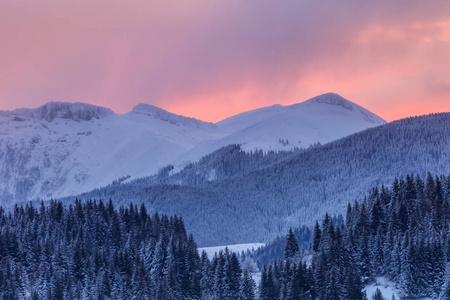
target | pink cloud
[{"x": 212, "y": 59}]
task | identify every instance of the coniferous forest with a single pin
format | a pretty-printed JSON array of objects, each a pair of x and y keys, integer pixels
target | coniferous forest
[
  {"x": 400, "y": 232},
  {"x": 92, "y": 250}
]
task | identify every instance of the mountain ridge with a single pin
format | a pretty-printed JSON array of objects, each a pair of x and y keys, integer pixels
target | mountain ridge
[
  {"x": 164, "y": 115},
  {"x": 61, "y": 149},
  {"x": 64, "y": 110},
  {"x": 320, "y": 119}
]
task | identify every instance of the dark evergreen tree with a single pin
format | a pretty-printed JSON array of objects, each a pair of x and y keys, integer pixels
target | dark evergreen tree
[
  {"x": 292, "y": 249},
  {"x": 354, "y": 287},
  {"x": 317, "y": 236},
  {"x": 247, "y": 287},
  {"x": 378, "y": 295},
  {"x": 233, "y": 273}
]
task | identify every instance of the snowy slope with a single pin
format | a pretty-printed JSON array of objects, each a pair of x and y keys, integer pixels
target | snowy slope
[
  {"x": 321, "y": 119},
  {"x": 62, "y": 149}
]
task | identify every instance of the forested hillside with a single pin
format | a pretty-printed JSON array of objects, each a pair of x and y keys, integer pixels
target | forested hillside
[
  {"x": 401, "y": 233},
  {"x": 263, "y": 203},
  {"x": 61, "y": 149},
  {"x": 226, "y": 162},
  {"x": 91, "y": 250}
]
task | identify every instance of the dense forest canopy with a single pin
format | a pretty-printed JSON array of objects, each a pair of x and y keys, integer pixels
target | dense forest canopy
[{"x": 93, "y": 251}]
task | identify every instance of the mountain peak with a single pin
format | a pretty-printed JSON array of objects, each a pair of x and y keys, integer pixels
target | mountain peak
[
  {"x": 76, "y": 111},
  {"x": 164, "y": 115},
  {"x": 339, "y": 101},
  {"x": 333, "y": 99},
  {"x": 149, "y": 109}
]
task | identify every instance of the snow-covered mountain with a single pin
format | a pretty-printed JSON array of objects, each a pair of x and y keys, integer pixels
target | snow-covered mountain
[
  {"x": 321, "y": 119},
  {"x": 62, "y": 149}
]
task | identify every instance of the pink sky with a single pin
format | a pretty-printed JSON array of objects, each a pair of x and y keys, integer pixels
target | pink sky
[{"x": 211, "y": 59}]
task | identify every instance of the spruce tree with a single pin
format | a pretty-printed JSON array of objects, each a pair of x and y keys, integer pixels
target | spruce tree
[
  {"x": 248, "y": 285},
  {"x": 292, "y": 249},
  {"x": 354, "y": 287},
  {"x": 378, "y": 295},
  {"x": 316, "y": 237}
]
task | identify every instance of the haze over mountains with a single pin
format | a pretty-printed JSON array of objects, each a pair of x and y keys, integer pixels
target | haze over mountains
[{"x": 62, "y": 149}]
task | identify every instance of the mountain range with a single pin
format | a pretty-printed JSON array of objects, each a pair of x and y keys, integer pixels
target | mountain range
[{"x": 63, "y": 149}]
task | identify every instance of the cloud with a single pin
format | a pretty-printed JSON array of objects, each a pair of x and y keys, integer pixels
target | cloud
[{"x": 212, "y": 59}]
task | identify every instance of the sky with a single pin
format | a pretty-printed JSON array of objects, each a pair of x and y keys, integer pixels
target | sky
[{"x": 212, "y": 59}]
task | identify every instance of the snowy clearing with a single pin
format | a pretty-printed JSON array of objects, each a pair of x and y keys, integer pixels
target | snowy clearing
[{"x": 387, "y": 288}]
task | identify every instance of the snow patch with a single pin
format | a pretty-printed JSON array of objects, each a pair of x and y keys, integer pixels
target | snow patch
[{"x": 387, "y": 288}]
